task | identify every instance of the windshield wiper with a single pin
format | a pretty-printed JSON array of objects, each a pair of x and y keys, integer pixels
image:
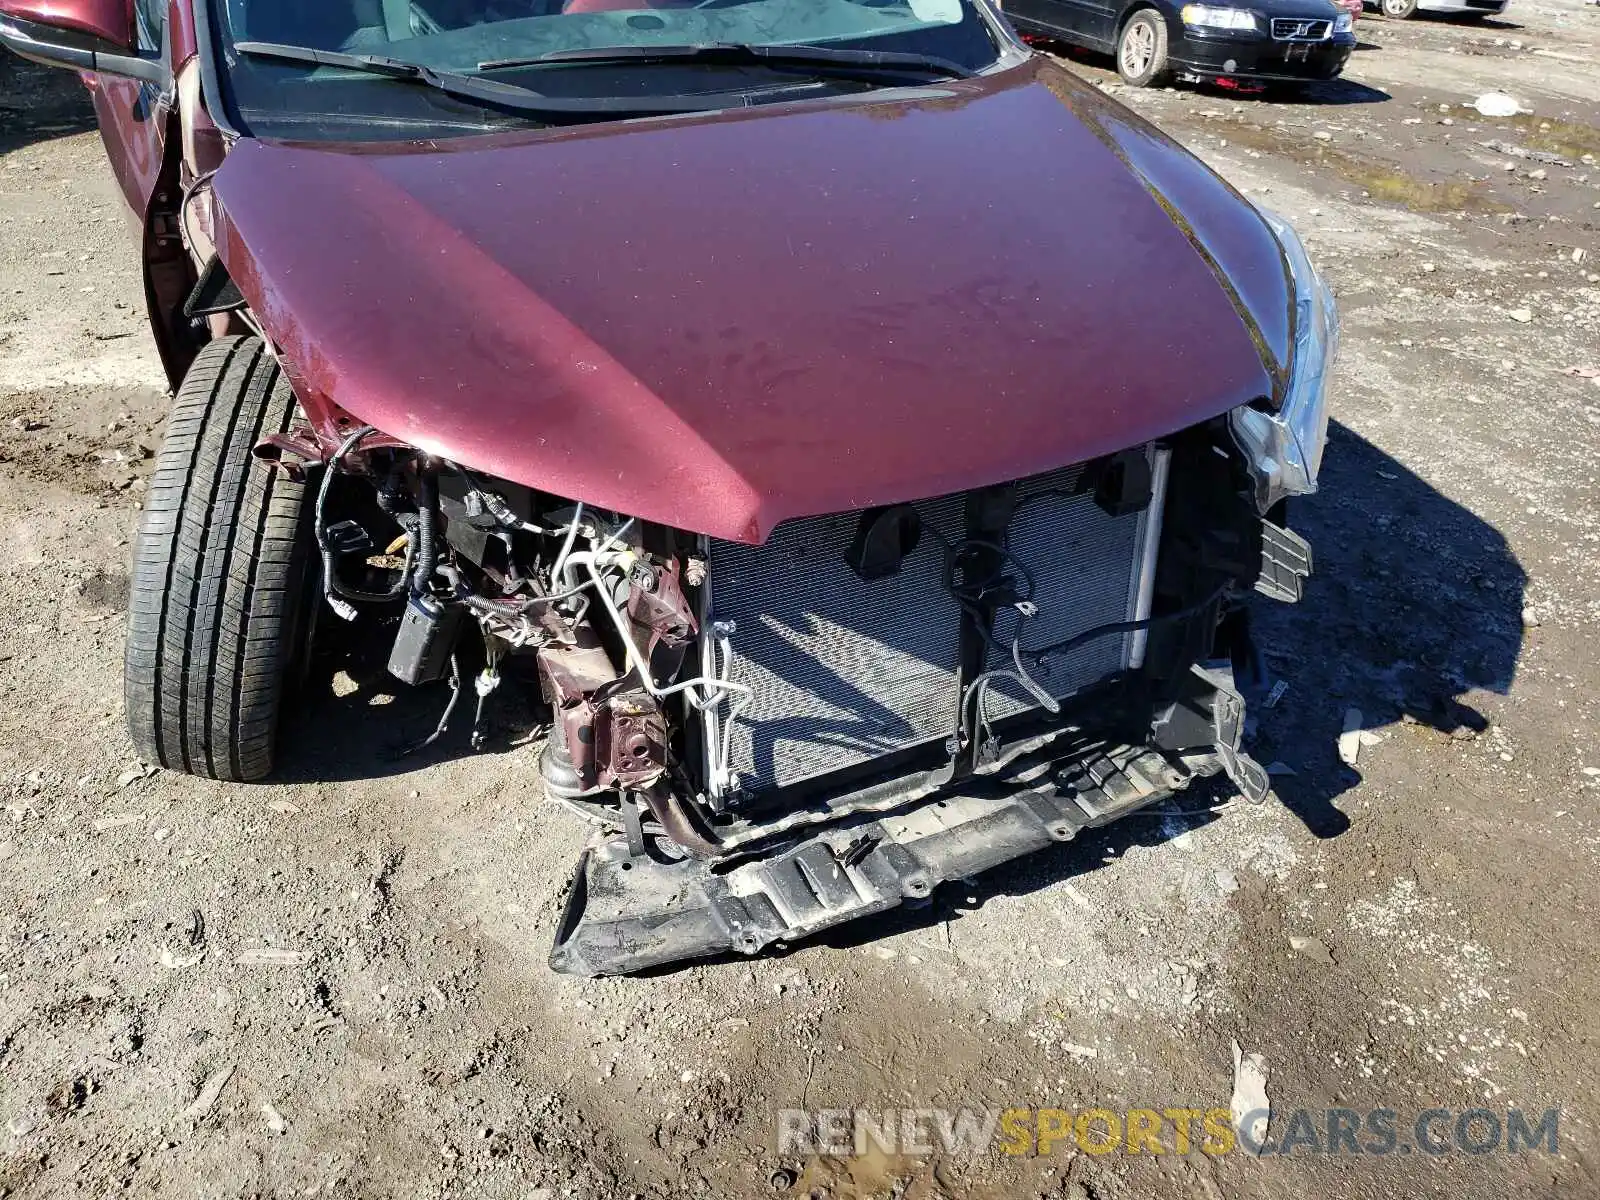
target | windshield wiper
[
  {"x": 489, "y": 91},
  {"x": 871, "y": 65}
]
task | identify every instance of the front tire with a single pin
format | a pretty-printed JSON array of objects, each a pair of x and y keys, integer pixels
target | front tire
[
  {"x": 1398, "y": 10},
  {"x": 215, "y": 615},
  {"x": 1142, "y": 49}
]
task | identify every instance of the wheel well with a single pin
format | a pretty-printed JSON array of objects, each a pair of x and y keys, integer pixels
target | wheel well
[
  {"x": 169, "y": 275},
  {"x": 1132, "y": 11}
]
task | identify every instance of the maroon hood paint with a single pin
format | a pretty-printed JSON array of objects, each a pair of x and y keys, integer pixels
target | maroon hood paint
[{"x": 720, "y": 323}]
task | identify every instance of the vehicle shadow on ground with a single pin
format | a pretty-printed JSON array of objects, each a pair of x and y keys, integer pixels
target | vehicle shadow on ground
[
  {"x": 1417, "y": 603},
  {"x": 1331, "y": 92},
  {"x": 1468, "y": 21},
  {"x": 39, "y": 103},
  {"x": 355, "y": 721}
]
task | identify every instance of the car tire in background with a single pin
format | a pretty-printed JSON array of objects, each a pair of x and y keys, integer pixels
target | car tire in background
[
  {"x": 218, "y": 599},
  {"x": 1142, "y": 49},
  {"x": 1397, "y": 10}
]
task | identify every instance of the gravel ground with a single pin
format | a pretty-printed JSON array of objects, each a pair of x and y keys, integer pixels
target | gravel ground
[{"x": 336, "y": 985}]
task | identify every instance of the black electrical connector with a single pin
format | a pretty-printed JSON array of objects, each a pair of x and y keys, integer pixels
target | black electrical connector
[{"x": 885, "y": 538}]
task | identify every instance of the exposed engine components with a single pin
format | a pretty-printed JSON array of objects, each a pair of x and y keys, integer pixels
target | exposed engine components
[
  {"x": 946, "y": 638},
  {"x": 606, "y": 613}
]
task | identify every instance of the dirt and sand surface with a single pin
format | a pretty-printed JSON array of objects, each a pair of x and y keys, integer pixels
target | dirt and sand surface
[{"x": 336, "y": 985}]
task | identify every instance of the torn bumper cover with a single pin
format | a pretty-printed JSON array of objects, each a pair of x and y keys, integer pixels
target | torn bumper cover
[{"x": 628, "y": 913}]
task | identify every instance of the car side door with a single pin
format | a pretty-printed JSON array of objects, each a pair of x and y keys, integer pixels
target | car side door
[
  {"x": 134, "y": 115},
  {"x": 1074, "y": 20},
  {"x": 1104, "y": 17}
]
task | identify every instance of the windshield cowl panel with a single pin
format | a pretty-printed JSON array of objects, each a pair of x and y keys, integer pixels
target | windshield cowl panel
[{"x": 875, "y": 44}]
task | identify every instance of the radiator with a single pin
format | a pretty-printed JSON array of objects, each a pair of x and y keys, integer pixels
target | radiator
[
  {"x": 845, "y": 670},
  {"x": 1089, "y": 569}
]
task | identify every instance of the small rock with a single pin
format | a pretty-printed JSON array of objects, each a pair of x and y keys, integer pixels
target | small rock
[
  {"x": 102, "y": 824},
  {"x": 1312, "y": 948},
  {"x": 271, "y": 955},
  {"x": 206, "y": 1099},
  {"x": 275, "y": 1121},
  {"x": 1497, "y": 104},
  {"x": 1520, "y": 315},
  {"x": 1249, "y": 1099},
  {"x": 1227, "y": 882},
  {"x": 134, "y": 773},
  {"x": 1350, "y": 739},
  {"x": 1322, "y": 135},
  {"x": 71, "y": 1094},
  {"x": 1530, "y": 618}
]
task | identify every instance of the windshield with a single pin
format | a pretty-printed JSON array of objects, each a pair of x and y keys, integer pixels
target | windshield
[{"x": 603, "y": 51}]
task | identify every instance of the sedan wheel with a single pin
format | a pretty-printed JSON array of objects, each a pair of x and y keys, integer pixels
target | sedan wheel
[
  {"x": 216, "y": 619},
  {"x": 1397, "y": 10},
  {"x": 1142, "y": 49}
]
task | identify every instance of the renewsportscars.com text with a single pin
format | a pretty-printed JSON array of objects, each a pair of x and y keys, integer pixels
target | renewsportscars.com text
[{"x": 1214, "y": 1131}]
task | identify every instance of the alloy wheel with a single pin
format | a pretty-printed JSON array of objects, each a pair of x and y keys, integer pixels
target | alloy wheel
[{"x": 1139, "y": 47}]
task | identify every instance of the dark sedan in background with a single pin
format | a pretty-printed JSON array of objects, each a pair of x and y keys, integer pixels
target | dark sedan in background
[{"x": 1265, "y": 41}]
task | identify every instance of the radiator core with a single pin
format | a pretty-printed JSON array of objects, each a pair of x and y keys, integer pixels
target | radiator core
[{"x": 845, "y": 670}]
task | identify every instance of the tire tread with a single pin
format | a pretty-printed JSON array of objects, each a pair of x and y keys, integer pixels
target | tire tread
[{"x": 217, "y": 574}]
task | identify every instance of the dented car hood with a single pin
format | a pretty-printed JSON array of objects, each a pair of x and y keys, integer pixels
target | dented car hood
[{"x": 721, "y": 322}]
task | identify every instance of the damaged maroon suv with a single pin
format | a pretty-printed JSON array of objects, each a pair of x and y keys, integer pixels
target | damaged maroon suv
[{"x": 863, "y": 434}]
